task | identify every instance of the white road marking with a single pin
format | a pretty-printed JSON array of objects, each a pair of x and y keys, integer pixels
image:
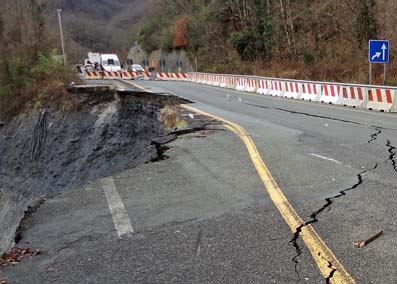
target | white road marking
[
  {"x": 326, "y": 158},
  {"x": 332, "y": 160},
  {"x": 120, "y": 217}
]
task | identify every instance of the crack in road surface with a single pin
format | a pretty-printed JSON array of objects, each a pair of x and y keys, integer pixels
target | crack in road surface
[
  {"x": 330, "y": 201},
  {"x": 377, "y": 127},
  {"x": 333, "y": 270},
  {"x": 375, "y": 135},
  {"x": 314, "y": 215},
  {"x": 392, "y": 151}
]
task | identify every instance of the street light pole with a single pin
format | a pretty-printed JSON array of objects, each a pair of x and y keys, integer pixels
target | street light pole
[{"x": 62, "y": 42}]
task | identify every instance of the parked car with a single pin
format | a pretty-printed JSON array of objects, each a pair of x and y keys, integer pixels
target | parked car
[{"x": 137, "y": 68}]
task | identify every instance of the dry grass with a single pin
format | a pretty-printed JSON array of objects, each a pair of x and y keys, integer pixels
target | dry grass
[
  {"x": 333, "y": 63},
  {"x": 49, "y": 92},
  {"x": 171, "y": 117}
]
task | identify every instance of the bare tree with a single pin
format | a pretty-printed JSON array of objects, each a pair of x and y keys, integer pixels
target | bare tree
[{"x": 285, "y": 9}]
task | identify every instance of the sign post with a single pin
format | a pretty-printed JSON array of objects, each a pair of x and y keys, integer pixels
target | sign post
[
  {"x": 378, "y": 52},
  {"x": 162, "y": 64}
]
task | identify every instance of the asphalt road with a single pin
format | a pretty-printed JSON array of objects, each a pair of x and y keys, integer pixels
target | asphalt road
[
  {"x": 203, "y": 216},
  {"x": 314, "y": 151}
]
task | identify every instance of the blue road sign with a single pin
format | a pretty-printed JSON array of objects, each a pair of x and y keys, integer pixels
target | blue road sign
[{"x": 378, "y": 51}]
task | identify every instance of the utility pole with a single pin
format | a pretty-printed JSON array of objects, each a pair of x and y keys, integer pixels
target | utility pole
[{"x": 62, "y": 42}]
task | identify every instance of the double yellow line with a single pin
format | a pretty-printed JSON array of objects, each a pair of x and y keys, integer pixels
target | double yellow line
[{"x": 323, "y": 256}]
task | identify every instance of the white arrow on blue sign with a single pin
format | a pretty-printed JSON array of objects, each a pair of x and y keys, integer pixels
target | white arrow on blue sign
[{"x": 378, "y": 51}]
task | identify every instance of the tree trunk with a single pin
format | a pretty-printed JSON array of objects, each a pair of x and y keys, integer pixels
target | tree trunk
[
  {"x": 312, "y": 17},
  {"x": 288, "y": 27}
]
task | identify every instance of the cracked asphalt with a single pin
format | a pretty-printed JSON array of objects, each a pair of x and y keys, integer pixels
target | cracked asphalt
[{"x": 203, "y": 216}]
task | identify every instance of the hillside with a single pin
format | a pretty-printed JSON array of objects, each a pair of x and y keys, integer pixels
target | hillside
[
  {"x": 103, "y": 25},
  {"x": 318, "y": 40}
]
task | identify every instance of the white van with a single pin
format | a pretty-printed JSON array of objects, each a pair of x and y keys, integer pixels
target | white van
[{"x": 110, "y": 62}]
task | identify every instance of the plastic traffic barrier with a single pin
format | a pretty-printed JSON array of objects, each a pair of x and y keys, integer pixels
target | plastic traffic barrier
[
  {"x": 311, "y": 92},
  {"x": 179, "y": 76},
  {"x": 216, "y": 81},
  {"x": 240, "y": 84},
  {"x": 93, "y": 75},
  {"x": 251, "y": 86},
  {"x": 166, "y": 76},
  {"x": 223, "y": 83},
  {"x": 332, "y": 94},
  {"x": 130, "y": 75},
  {"x": 278, "y": 88},
  {"x": 355, "y": 97},
  {"x": 292, "y": 90},
  {"x": 264, "y": 87},
  {"x": 231, "y": 82},
  {"x": 381, "y": 99},
  {"x": 107, "y": 75}
]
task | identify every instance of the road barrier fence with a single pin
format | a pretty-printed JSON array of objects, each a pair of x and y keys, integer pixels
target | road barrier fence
[{"x": 371, "y": 97}]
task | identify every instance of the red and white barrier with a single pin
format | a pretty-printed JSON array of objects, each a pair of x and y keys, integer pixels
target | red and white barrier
[
  {"x": 217, "y": 81},
  {"x": 223, "y": 83},
  {"x": 292, "y": 90},
  {"x": 199, "y": 78},
  {"x": 311, "y": 92},
  {"x": 146, "y": 75},
  {"x": 106, "y": 75},
  {"x": 354, "y": 97},
  {"x": 93, "y": 75},
  {"x": 241, "y": 83},
  {"x": 277, "y": 88},
  {"x": 251, "y": 86},
  {"x": 179, "y": 76},
  {"x": 210, "y": 80},
  {"x": 264, "y": 87},
  {"x": 332, "y": 94},
  {"x": 165, "y": 76},
  {"x": 231, "y": 82},
  {"x": 202, "y": 79},
  {"x": 129, "y": 75},
  {"x": 381, "y": 100},
  {"x": 374, "y": 98},
  {"x": 369, "y": 97}
]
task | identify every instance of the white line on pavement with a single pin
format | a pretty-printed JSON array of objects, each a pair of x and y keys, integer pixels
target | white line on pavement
[
  {"x": 332, "y": 160},
  {"x": 120, "y": 217},
  {"x": 326, "y": 158}
]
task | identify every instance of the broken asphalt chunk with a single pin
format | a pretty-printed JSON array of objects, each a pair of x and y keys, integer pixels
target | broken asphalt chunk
[
  {"x": 164, "y": 139},
  {"x": 361, "y": 244}
]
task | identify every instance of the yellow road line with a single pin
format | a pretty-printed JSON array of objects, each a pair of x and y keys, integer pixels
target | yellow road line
[
  {"x": 322, "y": 255},
  {"x": 319, "y": 250}
]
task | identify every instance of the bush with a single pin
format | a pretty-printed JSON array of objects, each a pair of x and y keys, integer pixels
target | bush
[
  {"x": 244, "y": 43},
  {"x": 308, "y": 56},
  {"x": 33, "y": 83}
]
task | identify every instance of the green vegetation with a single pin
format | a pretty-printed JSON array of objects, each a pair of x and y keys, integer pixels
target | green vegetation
[
  {"x": 29, "y": 70},
  {"x": 274, "y": 37}
]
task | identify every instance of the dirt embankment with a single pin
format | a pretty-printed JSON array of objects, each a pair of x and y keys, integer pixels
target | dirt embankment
[{"x": 45, "y": 152}]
